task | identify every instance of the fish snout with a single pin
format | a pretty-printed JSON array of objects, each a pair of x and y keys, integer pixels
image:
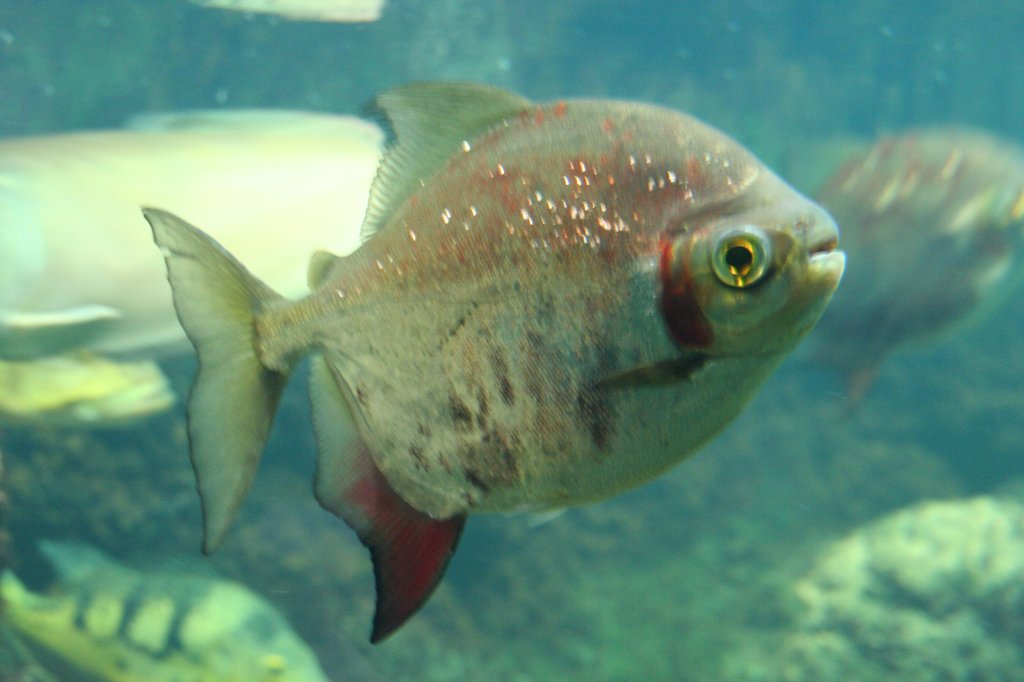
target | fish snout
[{"x": 825, "y": 260}]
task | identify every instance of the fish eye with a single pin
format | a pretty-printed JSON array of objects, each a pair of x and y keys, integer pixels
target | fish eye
[{"x": 741, "y": 256}]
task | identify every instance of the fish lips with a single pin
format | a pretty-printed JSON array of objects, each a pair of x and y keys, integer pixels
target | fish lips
[
  {"x": 820, "y": 277},
  {"x": 827, "y": 266},
  {"x": 825, "y": 260}
]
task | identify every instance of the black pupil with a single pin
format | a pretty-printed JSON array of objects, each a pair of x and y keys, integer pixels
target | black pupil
[{"x": 739, "y": 258}]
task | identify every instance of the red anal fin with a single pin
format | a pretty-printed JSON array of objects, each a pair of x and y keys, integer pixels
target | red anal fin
[
  {"x": 410, "y": 552},
  {"x": 410, "y": 549}
]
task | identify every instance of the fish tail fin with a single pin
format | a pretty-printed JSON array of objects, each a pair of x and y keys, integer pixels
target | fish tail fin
[{"x": 234, "y": 396}]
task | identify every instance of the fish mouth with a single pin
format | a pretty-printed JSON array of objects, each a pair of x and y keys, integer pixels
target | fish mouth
[
  {"x": 824, "y": 258},
  {"x": 827, "y": 245}
]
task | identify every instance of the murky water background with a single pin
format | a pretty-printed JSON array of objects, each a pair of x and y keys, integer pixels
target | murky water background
[{"x": 693, "y": 577}]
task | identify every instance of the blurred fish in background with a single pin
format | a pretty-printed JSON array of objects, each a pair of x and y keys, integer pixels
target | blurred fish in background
[
  {"x": 124, "y": 625},
  {"x": 77, "y": 268},
  {"x": 305, "y": 10},
  {"x": 80, "y": 390},
  {"x": 933, "y": 223}
]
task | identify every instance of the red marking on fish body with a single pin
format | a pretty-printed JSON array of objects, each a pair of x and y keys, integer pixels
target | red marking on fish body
[
  {"x": 559, "y": 109},
  {"x": 683, "y": 316}
]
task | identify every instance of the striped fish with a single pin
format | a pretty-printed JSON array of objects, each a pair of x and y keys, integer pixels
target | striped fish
[{"x": 123, "y": 625}]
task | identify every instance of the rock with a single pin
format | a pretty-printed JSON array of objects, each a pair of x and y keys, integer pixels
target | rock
[{"x": 934, "y": 591}]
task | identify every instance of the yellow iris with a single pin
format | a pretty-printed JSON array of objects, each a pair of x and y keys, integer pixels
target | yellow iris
[{"x": 741, "y": 256}]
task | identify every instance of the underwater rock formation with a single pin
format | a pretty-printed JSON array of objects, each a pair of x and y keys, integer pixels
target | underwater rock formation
[{"x": 929, "y": 592}]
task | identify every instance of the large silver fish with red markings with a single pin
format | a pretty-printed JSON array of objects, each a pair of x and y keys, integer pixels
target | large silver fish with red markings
[
  {"x": 933, "y": 221},
  {"x": 555, "y": 303}
]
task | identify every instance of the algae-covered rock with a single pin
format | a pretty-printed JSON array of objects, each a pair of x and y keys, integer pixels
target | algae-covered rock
[{"x": 931, "y": 592}]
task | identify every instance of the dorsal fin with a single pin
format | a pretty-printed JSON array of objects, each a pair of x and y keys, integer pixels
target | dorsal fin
[
  {"x": 319, "y": 265},
  {"x": 430, "y": 122}
]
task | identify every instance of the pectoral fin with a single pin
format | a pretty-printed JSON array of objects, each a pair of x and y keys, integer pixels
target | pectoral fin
[
  {"x": 30, "y": 335},
  {"x": 410, "y": 550},
  {"x": 655, "y": 374}
]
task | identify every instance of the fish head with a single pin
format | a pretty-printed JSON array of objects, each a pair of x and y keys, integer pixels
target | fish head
[{"x": 750, "y": 281}]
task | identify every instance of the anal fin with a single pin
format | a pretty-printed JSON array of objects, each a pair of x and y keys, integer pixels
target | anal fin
[{"x": 410, "y": 549}]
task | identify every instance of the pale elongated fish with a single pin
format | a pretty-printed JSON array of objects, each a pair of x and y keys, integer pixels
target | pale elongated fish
[
  {"x": 345, "y": 11},
  {"x": 555, "y": 303},
  {"x": 75, "y": 272}
]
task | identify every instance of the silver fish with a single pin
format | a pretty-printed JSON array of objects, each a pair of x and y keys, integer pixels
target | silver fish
[{"x": 555, "y": 303}]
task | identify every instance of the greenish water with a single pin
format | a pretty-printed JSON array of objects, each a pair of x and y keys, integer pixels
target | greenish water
[{"x": 692, "y": 577}]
